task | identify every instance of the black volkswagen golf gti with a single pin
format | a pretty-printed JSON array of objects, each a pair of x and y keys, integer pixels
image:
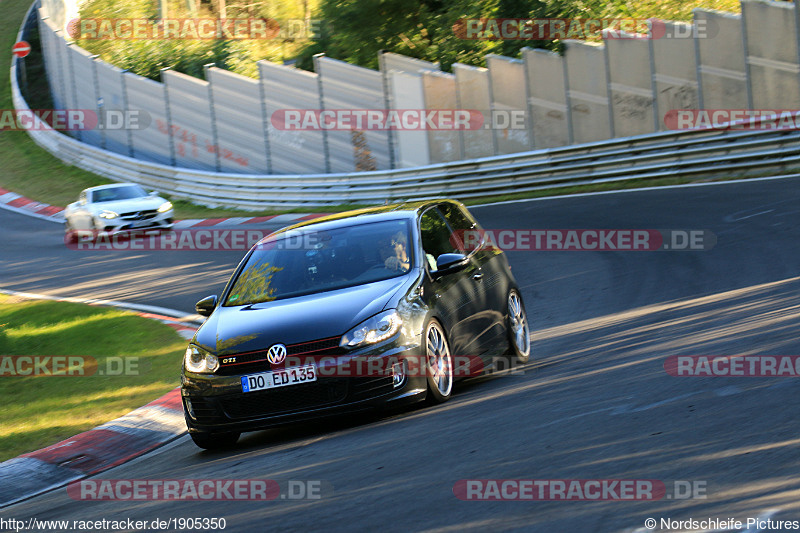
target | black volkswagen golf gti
[{"x": 375, "y": 307}]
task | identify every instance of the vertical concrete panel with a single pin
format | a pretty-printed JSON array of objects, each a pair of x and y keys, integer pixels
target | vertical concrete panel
[
  {"x": 282, "y": 88},
  {"x": 472, "y": 92},
  {"x": 190, "y": 118},
  {"x": 771, "y": 56},
  {"x": 588, "y": 91},
  {"x": 675, "y": 71},
  {"x": 630, "y": 84},
  {"x": 440, "y": 93},
  {"x": 239, "y": 121},
  {"x": 349, "y": 87},
  {"x": 153, "y": 143},
  {"x": 407, "y": 92},
  {"x": 548, "y": 98},
  {"x": 110, "y": 89},
  {"x": 721, "y": 61},
  {"x": 509, "y": 99}
]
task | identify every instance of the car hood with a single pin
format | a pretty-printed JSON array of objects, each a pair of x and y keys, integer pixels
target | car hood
[
  {"x": 131, "y": 204},
  {"x": 231, "y": 330}
]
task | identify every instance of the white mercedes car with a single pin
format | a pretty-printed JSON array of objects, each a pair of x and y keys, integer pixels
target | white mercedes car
[{"x": 120, "y": 206}]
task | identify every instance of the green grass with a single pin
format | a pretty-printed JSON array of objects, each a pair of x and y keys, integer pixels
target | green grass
[{"x": 42, "y": 410}]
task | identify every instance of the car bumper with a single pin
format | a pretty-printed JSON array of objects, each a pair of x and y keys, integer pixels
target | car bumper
[
  {"x": 160, "y": 221},
  {"x": 215, "y": 404}
]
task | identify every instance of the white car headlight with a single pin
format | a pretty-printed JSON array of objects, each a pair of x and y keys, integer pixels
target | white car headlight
[
  {"x": 199, "y": 361},
  {"x": 166, "y": 206},
  {"x": 374, "y": 329},
  {"x": 105, "y": 213}
]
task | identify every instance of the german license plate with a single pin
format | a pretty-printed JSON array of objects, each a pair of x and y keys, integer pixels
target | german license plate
[{"x": 279, "y": 378}]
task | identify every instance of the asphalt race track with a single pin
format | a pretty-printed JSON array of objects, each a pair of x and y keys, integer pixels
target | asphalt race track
[{"x": 596, "y": 403}]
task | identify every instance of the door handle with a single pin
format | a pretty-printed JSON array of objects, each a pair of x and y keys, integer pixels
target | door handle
[{"x": 478, "y": 276}]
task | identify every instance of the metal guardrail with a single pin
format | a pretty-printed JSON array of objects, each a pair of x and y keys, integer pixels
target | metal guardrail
[{"x": 698, "y": 153}]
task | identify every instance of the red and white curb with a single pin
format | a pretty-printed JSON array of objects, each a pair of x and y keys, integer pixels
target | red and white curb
[
  {"x": 105, "y": 446},
  {"x": 93, "y": 451},
  {"x": 12, "y": 201},
  {"x": 18, "y": 203}
]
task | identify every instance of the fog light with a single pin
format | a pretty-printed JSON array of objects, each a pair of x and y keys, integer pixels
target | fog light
[
  {"x": 189, "y": 407},
  {"x": 398, "y": 374}
]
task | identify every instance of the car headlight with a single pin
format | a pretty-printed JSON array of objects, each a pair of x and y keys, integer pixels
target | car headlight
[
  {"x": 166, "y": 206},
  {"x": 199, "y": 361},
  {"x": 374, "y": 329},
  {"x": 105, "y": 213}
]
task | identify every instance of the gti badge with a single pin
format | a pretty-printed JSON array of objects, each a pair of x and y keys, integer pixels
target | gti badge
[{"x": 276, "y": 354}]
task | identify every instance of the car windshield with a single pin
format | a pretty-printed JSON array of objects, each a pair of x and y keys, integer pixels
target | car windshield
[
  {"x": 307, "y": 261},
  {"x": 125, "y": 192}
]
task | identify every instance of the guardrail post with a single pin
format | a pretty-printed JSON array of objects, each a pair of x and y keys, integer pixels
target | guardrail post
[
  {"x": 609, "y": 94},
  {"x": 325, "y": 147},
  {"x": 169, "y": 119},
  {"x": 748, "y": 80},
  {"x": 74, "y": 87},
  {"x": 213, "y": 116},
  {"x": 567, "y": 98},
  {"x": 265, "y": 123},
  {"x": 698, "y": 62},
  {"x": 99, "y": 100},
  {"x": 125, "y": 106},
  {"x": 387, "y": 104}
]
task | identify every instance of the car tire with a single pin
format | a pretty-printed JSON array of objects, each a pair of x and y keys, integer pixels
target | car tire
[
  {"x": 519, "y": 334},
  {"x": 215, "y": 441},
  {"x": 70, "y": 235},
  {"x": 438, "y": 363}
]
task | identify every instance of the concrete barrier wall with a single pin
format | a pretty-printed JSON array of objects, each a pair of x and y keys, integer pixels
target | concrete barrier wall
[{"x": 622, "y": 87}]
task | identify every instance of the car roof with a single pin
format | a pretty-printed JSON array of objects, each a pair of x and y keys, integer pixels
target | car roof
[
  {"x": 403, "y": 210},
  {"x": 109, "y": 186}
]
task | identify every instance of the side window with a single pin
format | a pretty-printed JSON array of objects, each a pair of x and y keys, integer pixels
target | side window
[
  {"x": 436, "y": 237},
  {"x": 466, "y": 230}
]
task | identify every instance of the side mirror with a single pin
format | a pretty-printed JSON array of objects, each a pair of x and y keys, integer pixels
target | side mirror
[
  {"x": 206, "y": 306},
  {"x": 449, "y": 263},
  {"x": 152, "y": 193}
]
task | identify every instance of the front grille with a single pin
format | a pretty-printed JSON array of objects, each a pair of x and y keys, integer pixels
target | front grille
[
  {"x": 256, "y": 361},
  {"x": 134, "y": 216},
  {"x": 285, "y": 399}
]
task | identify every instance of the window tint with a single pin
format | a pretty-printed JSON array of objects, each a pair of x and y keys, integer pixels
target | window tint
[{"x": 436, "y": 237}]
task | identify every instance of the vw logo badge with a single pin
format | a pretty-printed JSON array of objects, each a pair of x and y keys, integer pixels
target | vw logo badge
[{"x": 276, "y": 354}]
